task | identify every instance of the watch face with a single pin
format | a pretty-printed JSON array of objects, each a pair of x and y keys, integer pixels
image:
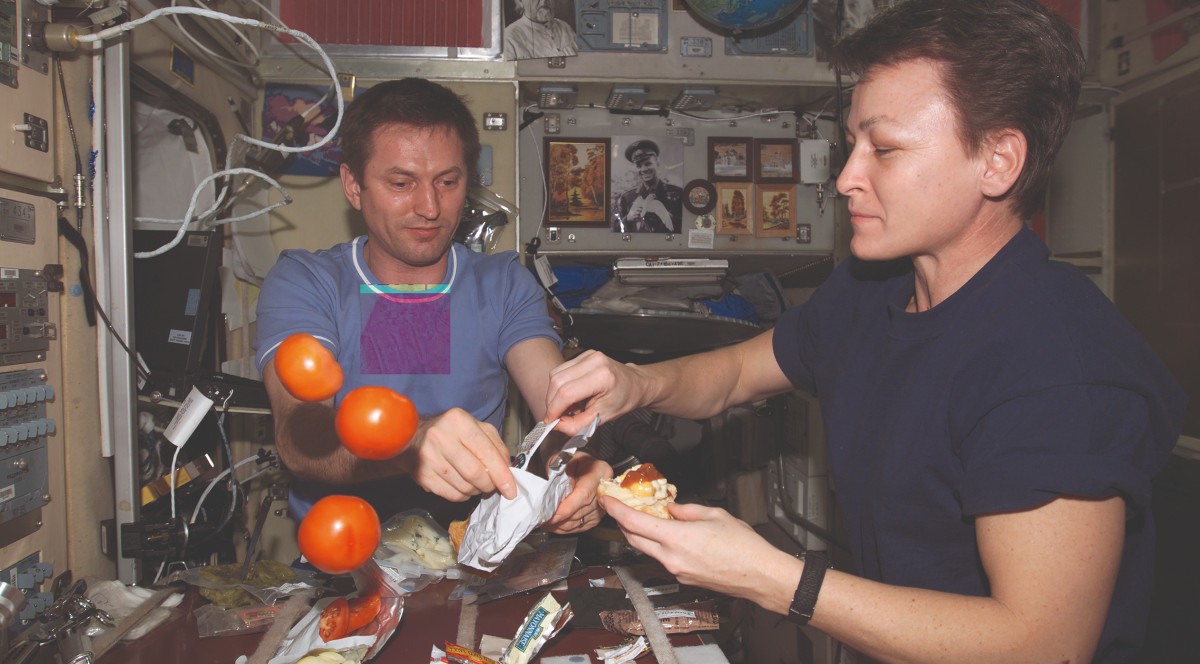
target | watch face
[{"x": 699, "y": 197}]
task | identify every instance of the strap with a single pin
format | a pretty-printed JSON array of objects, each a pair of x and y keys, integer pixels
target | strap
[{"x": 805, "y": 599}]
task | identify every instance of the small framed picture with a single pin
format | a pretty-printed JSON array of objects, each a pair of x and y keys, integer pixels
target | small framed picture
[
  {"x": 735, "y": 209},
  {"x": 729, "y": 159},
  {"x": 776, "y": 210},
  {"x": 775, "y": 161},
  {"x": 699, "y": 197},
  {"x": 577, "y": 179}
]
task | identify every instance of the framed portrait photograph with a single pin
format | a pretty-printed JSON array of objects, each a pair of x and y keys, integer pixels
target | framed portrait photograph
[
  {"x": 735, "y": 209},
  {"x": 775, "y": 161},
  {"x": 729, "y": 159},
  {"x": 776, "y": 210},
  {"x": 577, "y": 177},
  {"x": 539, "y": 29},
  {"x": 646, "y": 193}
]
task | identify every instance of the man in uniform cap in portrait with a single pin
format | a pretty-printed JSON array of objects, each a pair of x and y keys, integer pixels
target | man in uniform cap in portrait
[{"x": 653, "y": 206}]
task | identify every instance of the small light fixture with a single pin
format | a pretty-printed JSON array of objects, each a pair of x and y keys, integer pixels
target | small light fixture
[
  {"x": 626, "y": 97},
  {"x": 557, "y": 96},
  {"x": 695, "y": 99}
]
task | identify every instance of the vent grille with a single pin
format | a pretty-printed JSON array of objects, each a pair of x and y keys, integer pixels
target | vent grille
[{"x": 406, "y": 23}]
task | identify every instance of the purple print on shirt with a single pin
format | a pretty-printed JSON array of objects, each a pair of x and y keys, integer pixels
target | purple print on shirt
[{"x": 406, "y": 334}]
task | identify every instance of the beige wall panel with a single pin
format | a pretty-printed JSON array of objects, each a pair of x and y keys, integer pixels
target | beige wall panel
[
  {"x": 89, "y": 496},
  {"x": 1134, "y": 60}
]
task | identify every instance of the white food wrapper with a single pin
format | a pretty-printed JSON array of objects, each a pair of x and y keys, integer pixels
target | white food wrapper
[
  {"x": 304, "y": 638},
  {"x": 497, "y": 525}
]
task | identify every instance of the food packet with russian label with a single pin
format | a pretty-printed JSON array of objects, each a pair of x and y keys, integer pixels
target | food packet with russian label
[
  {"x": 680, "y": 619},
  {"x": 456, "y": 654},
  {"x": 542, "y": 623}
]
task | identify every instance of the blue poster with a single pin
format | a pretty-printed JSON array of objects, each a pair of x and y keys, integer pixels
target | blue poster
[{"x": 283, "y": 104}]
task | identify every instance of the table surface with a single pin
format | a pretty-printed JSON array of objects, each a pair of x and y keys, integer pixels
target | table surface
[{"x": 430, "y": 618}]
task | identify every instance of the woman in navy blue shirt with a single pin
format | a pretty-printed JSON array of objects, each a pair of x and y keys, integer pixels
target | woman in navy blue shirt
[{"x": 993, "y": 422}]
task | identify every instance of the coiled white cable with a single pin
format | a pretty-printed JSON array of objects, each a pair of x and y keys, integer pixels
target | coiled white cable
[{"x": 109, "y": 33}]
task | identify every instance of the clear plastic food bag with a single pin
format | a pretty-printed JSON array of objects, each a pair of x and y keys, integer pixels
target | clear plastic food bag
[{"x": 414, "y": 551}]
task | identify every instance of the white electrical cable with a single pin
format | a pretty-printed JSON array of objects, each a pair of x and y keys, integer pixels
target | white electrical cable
[
  {"x": 268, "y": 12},
  {"x": 213, "y": 483},
  {"x": 726, "y": 118},
  {"x": 117, "y": 30},
  {"x": 174, "y": 463},
  {"x": 213, "y": 54},
  {"x": 545, "y": 191}
]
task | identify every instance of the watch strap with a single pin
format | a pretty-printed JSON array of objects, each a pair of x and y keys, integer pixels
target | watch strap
[{"x": 805, "y": 599}]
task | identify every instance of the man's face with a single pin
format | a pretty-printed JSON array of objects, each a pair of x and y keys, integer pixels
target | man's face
[
  {"x": 647, "y": 168},
  {"x": 411, "y": 195},
  {"x": 912, "y": 188},
  {"x": 538, "y": 10}
]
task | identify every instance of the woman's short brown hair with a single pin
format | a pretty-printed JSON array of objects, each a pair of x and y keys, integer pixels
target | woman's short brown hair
[{"x": 1005, "y": 64}]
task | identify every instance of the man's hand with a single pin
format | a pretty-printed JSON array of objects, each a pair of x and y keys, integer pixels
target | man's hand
[
  {"x": 579, "y": 511},
  {"x": 591, "y": 384},
  {"x": 456, "y": 456}
]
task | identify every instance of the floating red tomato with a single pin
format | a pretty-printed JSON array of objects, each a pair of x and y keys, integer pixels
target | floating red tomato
[
  {"x": 307, "y": 369},
  {"x": 376, "y": 422},
  {"x": 339, "y": 533}
]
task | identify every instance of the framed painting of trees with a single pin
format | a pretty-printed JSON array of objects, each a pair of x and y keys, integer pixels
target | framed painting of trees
[{"x": 577, "y": 180}]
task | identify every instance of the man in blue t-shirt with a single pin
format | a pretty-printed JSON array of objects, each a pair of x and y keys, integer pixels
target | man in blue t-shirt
[
  {"x": 406, "y": 308},
  {"x": 993, "y": 422}
]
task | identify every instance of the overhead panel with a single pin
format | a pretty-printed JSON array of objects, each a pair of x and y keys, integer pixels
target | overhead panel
[{"x": 622, "y": 25}]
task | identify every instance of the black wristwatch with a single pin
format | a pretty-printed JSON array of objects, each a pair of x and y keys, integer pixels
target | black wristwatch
[{"x": 805, "y": 599}]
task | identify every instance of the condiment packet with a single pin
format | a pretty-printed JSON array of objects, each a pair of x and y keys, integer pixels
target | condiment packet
[
  {"x": 456, "y": 654},
  {"x": 542, "y": 623},
  {"x": 695, "y": 617},
  {"x": 624, "y": 652},
  {"x": 498, "y": 524}
]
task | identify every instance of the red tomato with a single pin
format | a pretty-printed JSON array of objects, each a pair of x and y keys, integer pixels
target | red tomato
[
  {"x": 376, "y": 422},
  {"x": 334, "y": 622},
  {"x": 339, "y": 533},
  {"x": 363, "y": 610},
  {"x": 307, "y": 369}
]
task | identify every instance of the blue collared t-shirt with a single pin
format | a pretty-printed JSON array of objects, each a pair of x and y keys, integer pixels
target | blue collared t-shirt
[{"x": 443, "y": 346}]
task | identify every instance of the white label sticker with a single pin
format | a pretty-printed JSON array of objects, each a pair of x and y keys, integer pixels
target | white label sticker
[
  {"x": 701, "y": 238},
  {"x": 8, "y": 493},
  {"x": 544, "y": 271},
  {"x": 180, "y": 337},
  {"x": 663, "y": 614}
]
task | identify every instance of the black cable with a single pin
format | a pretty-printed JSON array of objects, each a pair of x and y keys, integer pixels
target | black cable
[
  {"x": 62, "y": 86},
  {"x": 67, "y": 231},
  {"x": 529, "y": 118}
]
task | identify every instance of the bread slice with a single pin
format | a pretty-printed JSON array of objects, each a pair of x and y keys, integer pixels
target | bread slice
[{"x": 643, "y": 488}]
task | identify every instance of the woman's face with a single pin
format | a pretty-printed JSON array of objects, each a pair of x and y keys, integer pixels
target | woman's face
[{"x": 912, "y": 187}]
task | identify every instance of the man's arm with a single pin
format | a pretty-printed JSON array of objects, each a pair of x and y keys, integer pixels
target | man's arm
[
  {"x": 452, "y": 455},
  {"x": 1052, "y": 571},
  {"x": 529, "y": 363},
  {"x": 693, "y": 387},
  {"x": 308, "y": 444}
]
